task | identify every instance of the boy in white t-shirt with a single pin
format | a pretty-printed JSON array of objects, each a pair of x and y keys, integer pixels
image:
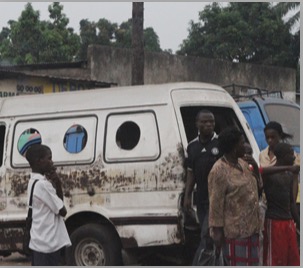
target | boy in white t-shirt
[{"x": 48, "y": 232}]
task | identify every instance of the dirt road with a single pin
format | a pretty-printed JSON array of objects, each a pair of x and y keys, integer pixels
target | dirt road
[{"x": 15, "y": 259}]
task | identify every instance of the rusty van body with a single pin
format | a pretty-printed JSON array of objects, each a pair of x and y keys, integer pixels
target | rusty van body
[{"x": 120, "y": 153}]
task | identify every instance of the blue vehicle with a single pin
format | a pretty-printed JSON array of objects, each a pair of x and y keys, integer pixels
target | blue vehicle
[{"x": 260, "y": 106}]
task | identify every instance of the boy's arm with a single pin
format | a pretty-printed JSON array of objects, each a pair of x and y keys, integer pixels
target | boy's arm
[{"x": 275, "y": 169}]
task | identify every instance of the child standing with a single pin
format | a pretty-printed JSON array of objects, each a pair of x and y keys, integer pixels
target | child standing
[
  {"x": 280, "y": 244},
  {"x": 48, "y": 232}
]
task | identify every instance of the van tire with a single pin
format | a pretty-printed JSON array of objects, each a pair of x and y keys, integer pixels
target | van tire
[{"x": 94, "y": 245}]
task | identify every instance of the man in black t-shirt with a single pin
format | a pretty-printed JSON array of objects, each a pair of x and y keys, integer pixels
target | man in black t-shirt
[{"x": 202, "y": 153}]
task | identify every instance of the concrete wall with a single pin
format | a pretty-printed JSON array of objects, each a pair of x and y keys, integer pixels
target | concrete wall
[{"x": 114, "y": 65}]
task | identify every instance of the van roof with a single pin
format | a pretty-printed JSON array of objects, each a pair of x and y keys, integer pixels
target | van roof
[{"x": 103, "y": 98}]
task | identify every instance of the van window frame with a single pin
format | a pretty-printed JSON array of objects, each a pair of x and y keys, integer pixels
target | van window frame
[
  {"x": 61, "y": 140},
  {"x": 125, "y": 113}
]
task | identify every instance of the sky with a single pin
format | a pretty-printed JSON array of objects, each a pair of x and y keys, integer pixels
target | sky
[{"x": 170, "y": 20}]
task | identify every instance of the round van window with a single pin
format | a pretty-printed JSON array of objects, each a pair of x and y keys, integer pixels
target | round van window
[
  {"x": 27, "y": 138},
  {"x": 128, "y": 135},
  {"x": 75, "y": 139}
]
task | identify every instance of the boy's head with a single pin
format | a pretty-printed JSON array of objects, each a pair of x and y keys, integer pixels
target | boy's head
[
  {"x": 284, "y": 154},
  {"x": 40, "y": 158}
]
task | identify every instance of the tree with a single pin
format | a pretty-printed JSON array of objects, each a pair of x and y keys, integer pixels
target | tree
[
  {"x": 88, "y": 35},
  {"x": 151, "y": 40},
  {"x": 106, "y": 31},
  {"x": 123, "y": 34},
  {"x": 30, "y": 40},
  {"x": 110, "y": 34},
  {"x": 5, "y": 50},
  {"x": 22, "y": 40},
  {"x": 283, "y": 8},
  {"x": 242, "y": 32},
  {"x": 60, "y": 43}
]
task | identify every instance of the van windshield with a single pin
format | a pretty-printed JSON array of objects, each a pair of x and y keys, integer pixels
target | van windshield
[{"x": 289, "y": 117}]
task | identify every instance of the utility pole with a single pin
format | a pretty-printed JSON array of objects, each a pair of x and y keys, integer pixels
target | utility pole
[{"x": 137, "y": 44}]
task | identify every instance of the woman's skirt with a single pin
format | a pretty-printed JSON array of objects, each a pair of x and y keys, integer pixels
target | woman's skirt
[{"x": 242, "y": 251}]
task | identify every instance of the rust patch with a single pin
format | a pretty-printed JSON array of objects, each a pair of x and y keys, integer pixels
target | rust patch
[
  {"x": 2, "y": 206},
  {"x": 18, "y": 182},
  {"x": 11, "y": 238},
  {"x": 167, "y": 174}
]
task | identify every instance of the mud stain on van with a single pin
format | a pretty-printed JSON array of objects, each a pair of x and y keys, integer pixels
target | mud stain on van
[
  {"x": 11, "y": 238},
  {"x": 2, "y": 205},
  {"x": 168, "y": 175},
  {"x": 164, "y": 175},
  {"x": 17, "y": 182}
]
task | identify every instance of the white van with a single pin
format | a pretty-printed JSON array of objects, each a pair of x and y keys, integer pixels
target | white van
[{"x": 120, "y": 153}]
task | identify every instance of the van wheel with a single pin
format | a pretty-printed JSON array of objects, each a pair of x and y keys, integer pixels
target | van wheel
[{"x": 94, "y": 245}]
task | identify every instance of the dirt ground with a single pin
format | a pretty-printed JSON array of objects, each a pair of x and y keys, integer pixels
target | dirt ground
[{"x": 15, "y": 259}]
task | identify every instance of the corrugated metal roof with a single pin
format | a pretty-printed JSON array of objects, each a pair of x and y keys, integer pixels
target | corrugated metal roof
[{"x": 47, "y": 65}]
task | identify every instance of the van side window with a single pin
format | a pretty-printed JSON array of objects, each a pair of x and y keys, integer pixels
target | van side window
[
  {"x": 75, "y": 139},
  {"x": 128, "y": 135},
  {"x": 289, "y": 117},
  {"x": 27, "y": 138},
  {"x": 224, "y": 117},
  {"x": 72, "y": 140},
  {"x": 2, "y": 136},
  {"x": 131, "y": 137}
]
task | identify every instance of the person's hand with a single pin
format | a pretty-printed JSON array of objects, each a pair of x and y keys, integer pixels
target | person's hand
[
  {"x": 52, "y": 175},
  {"x": 217, "y": 235},
  {"x": 55, "y": 180},
  {"x": 294, "y": 169}
]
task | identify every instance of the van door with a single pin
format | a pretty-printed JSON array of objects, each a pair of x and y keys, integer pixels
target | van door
[{"x": 187, "y": 103}]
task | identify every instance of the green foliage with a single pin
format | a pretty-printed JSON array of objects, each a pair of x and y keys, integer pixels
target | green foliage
[
  {"x": 59, "y": 42},
  {"x": 249, "y": 32},
  {"x": 283, "y": 8},
  {"x": 123, "y": 35},
  {"x": 151, "y": 40},
  {"x": 106, "y": 33},
  {"x": 30, "y": 40},
  {"x": 20, "y": 43}
]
